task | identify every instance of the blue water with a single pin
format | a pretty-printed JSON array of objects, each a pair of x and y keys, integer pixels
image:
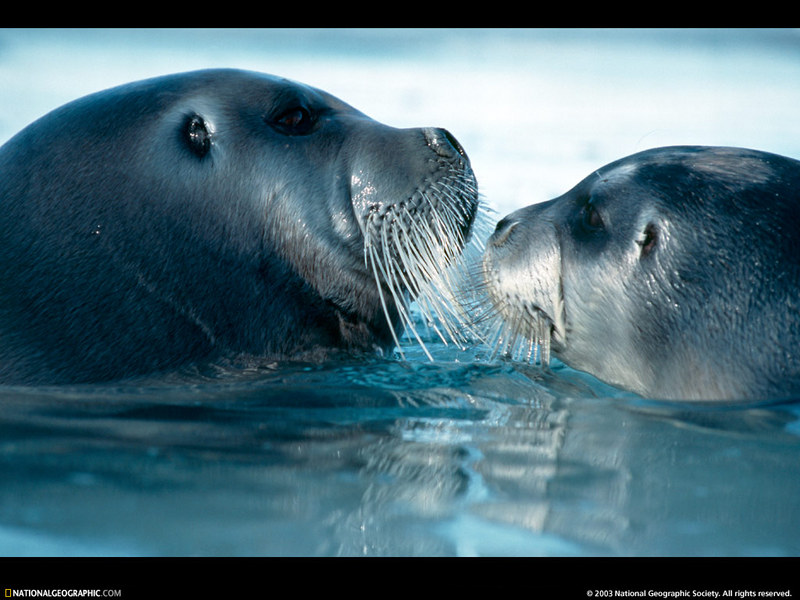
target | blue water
[
  {"x": 465, "y": 456},
  {"x": 387, "y": 458}
]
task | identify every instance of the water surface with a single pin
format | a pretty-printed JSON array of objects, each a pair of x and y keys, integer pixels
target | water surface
[{"x": 393, "y": 458}]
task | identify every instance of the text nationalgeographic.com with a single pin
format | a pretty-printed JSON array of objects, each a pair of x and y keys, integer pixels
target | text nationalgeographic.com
[{"x": 58, "y": 593}]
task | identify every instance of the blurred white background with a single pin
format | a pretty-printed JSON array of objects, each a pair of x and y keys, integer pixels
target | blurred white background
[{"x": 536, "y": 109}]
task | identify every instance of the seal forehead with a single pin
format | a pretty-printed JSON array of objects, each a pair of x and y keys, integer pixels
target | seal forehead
[
  {"x": 724, "y": 163},
  {"x": 619, "y": 173}
]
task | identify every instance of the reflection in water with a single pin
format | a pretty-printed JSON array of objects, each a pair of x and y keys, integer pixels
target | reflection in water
[{"x": 391, "y": 458}]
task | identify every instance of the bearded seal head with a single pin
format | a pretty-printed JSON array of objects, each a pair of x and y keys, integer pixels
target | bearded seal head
[{"x": 666, "y": 273}]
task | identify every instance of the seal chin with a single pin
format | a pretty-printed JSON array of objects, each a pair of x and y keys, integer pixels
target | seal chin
[{"x": 519, "y": 328}]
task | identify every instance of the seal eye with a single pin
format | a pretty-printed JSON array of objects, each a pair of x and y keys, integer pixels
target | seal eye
[
  {"x": 295, "y": 121},
  {"x": 590, "y": 218},
  {"x": 649, "y": 240},
  {"x": 197, "y": 135}
]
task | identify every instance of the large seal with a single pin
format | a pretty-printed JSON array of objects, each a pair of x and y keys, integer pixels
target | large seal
[
  {"x": 219, "y": 213},
  {"x": 673, "y": 273}
]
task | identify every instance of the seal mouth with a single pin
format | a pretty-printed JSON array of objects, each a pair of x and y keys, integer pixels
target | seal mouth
[{"x": 418, "y": 251}]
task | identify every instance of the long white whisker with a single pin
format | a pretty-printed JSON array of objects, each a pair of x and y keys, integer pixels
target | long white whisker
[
  {"x": 402, "y": 306},
  {"x": 419, "y": 250},
  {"x": 373, "y": 262}
]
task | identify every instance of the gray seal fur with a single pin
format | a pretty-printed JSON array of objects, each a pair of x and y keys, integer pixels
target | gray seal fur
[
  {"x": 673, "y": 273},
  {"x": 209, "y": 214}
]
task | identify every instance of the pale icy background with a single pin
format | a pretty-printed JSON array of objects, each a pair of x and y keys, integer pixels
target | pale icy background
[
  {"x": 416, "y": 458},
  {"x": 536, "y": 109}
]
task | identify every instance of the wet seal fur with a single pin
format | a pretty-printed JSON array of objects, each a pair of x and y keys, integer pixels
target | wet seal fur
[
  {"x": 219, "y": 213},
  {"x": 673, "y": 273}
]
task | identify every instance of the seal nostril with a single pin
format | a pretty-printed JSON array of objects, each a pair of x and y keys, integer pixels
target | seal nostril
[
  {"x": 443, "y": 143},
  {"x": 454, "y": 142},
  {"x": 501, "y": 224},
  {"x": 502, "y": 231}
]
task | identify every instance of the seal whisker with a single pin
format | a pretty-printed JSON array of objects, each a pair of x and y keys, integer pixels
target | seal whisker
[
  {"x": 516, "y": 330},
  {"x": 418, "y": 284},
  {"x": 419, "y": 249},
  {"x": 439, "y": 291},
  {"x": 400, "y": 301},
  {"x": 375, "y": 263}
]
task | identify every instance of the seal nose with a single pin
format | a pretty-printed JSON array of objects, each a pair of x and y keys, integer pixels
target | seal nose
[{"x": 443, "y": 143}]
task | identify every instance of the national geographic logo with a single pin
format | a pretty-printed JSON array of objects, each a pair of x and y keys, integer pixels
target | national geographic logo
[{"x": 62, "y": 593}]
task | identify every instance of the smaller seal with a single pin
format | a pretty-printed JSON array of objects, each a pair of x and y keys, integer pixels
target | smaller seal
[{"x": 673, "y": 273}]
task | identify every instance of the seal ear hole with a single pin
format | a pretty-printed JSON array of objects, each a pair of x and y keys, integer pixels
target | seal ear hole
[
  {"x": 648, "y": 242},
  {"x": 196, "y": 135}
]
